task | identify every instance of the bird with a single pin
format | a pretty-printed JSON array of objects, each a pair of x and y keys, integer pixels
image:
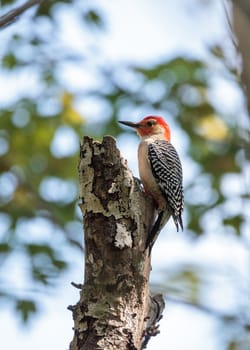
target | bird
[{"x": 160, "y": 172}]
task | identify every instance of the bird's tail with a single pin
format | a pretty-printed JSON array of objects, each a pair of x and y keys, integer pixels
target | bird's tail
[
  {"x": 161, "y": 221},
  {"x": 178, "y": 221}
]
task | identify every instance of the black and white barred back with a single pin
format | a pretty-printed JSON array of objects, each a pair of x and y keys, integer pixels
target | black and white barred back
[{"x": 167, "y": 170}]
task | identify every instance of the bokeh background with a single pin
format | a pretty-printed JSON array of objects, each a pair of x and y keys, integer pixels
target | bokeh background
[{"x": 73, "y": 68}]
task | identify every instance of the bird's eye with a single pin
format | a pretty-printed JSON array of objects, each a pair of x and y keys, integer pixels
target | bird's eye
[{"x": 150, "y": 123}]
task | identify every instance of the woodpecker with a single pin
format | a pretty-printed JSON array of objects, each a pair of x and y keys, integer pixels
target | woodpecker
[{"x": 160, "y": 172}]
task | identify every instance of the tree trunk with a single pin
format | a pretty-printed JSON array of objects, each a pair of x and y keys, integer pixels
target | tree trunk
[
  {"x": 241, "y": 24},
  {"x": 115, "y": 310}
]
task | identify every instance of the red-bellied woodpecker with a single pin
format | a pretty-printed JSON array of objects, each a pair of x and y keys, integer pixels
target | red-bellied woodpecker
[{"x": 160, "y": 172}]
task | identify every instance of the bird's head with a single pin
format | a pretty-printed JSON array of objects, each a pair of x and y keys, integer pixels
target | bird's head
[{"x": 151, "y": 125}]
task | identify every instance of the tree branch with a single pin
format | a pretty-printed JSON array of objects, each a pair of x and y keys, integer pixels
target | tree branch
[
  {"x": 241, "y": 24},
  {"x": 244, "y": 5},
  {"x": 12, "y": 15},
  {"x": 115, "y": 310}
]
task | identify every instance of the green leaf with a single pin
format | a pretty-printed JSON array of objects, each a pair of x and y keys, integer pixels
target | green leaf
[
  {"x": 26, "y": 308},
  {"x": 235, "y": 221},
  {"x": 7, "y": 2},
  {"x": 60, "y": 264},
  {"x": 93, "y": 17},
  {"x": 34, "y": 249},
  {"x": 4, "y": 248},
  {"x": 39, "y": 274},
  {"x": 9, "y": 61}
]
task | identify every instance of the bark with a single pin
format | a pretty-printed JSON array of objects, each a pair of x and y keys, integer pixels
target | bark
[
  {"x": 241, "y": 24},
  {"x": 13, "y": 14},
  {"x": 115, "y": 310}
]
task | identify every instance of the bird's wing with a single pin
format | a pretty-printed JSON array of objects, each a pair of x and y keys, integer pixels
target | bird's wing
[{"x": 167, "y": 170}]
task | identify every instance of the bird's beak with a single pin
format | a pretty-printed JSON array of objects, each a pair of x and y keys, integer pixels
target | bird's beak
[{"x": 132, "y": 125}]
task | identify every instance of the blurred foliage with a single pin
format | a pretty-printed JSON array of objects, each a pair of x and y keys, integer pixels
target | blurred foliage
[
  {"x": 40, "y": 128},
  {"x": 25, "y": 308},
  {"x": 189, "y": 284}
]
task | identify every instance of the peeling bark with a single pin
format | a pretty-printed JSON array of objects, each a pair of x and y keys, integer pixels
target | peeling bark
[{"x": 115, "y": 310}]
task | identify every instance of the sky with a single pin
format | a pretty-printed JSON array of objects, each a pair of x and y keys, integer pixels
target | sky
[{"x": 142, "y": 32}]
